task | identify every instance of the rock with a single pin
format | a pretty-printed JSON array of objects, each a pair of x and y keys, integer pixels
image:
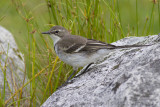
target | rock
[
  {"x": 11, "y": 62},
  {"x": 127, "y": 77}
]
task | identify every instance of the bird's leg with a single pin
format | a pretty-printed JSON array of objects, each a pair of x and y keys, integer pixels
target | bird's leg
[
  {"x": 74, "y": 72},
  {"x": 84, "y": 71}
]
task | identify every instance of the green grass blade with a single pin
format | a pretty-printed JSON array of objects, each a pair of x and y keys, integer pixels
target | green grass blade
[{"x": 50, "y": 77}]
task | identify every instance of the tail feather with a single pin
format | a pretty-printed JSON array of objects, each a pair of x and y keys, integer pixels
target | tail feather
[{"x": 131, "y": 46}]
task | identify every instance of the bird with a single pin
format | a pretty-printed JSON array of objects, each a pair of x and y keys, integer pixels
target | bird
[{"x": 79, "y": 51}]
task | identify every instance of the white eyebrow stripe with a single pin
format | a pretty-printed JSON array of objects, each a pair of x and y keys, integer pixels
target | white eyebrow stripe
[{"x": 58, "y": 30}]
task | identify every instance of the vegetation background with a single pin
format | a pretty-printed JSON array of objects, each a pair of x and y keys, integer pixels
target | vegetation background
[{"x": 105, "y": 20}]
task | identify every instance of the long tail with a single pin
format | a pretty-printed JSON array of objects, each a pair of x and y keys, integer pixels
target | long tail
[
  {"x": 131, "y": 46},
  {"x": 93, "y": 45}
]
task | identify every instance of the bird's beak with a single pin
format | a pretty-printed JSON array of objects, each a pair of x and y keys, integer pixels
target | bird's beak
[{"x": 46, "y": 32}]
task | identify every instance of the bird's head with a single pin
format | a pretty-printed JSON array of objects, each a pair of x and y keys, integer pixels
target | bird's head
[{"x": 57, "y": 32}]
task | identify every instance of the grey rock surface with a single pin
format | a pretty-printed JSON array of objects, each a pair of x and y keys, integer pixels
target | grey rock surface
[
  {"x": 11, "y": 63},
  {"x": 127, "y": 77}
]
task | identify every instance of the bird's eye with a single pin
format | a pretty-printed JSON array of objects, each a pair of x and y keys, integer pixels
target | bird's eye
[{"x": 56, "y": 31}]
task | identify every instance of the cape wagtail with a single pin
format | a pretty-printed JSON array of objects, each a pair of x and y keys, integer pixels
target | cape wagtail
[{"x": 79, "y": 51}]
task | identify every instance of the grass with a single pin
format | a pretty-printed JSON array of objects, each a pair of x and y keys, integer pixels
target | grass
[{"x": 103, "y": 20}]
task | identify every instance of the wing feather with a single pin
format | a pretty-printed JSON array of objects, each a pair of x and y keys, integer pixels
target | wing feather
[
  {"x": 72, "y": 44},
  {"x": 75, "y": 44}
]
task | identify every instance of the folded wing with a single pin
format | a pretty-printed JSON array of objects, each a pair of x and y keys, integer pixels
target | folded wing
[{"x": 89, "y": 46}]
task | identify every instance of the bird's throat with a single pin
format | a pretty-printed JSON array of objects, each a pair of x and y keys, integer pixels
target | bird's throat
[{"x": 55, "y": 38}]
